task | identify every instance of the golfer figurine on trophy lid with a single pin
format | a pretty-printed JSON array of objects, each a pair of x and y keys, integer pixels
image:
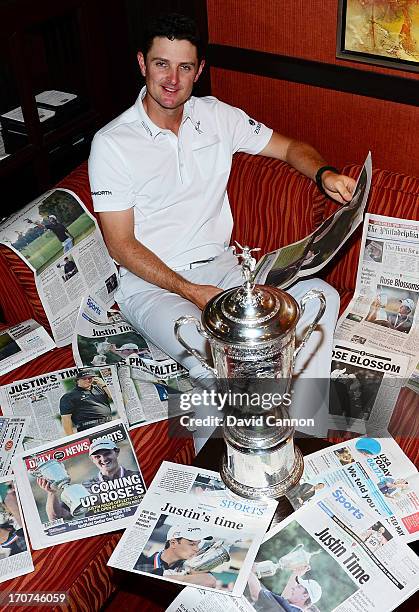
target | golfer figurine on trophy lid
[{"x": 251, "y": 332}]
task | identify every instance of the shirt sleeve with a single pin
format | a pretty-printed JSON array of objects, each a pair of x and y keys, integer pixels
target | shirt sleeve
[
  {"x": 111, "y": 185},
  {"x": 248, "y": 135},
  {"x": 66, "y": 405}
]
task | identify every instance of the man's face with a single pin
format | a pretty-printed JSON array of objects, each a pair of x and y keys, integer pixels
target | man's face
[
  {"x": 106, "y": 461},
  {"x": 184, "y": 548},
  {"x": 86, "y": 382},
  {"x": 170, "y": 69},
  {"x": 404, "y": 310},
  {"x": 298, "y": 596}
]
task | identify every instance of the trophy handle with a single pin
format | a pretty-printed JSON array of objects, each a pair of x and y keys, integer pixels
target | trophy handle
[
  {"x": 190, "y": 319},
  {"x": 310, "y": 295}
]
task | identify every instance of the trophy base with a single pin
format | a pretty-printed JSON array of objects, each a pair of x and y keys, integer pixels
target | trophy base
[{"x": 273, "y": 491}]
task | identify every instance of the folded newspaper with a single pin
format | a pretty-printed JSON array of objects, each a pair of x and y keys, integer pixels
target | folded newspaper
[
  {"x": 147, "y": 376},
  {"x": 309, "y": 255},
  {"x": 80, "y": 486},
  {"x": 22, "y": 343},
  {"x": 15, "y": 556},
  {"x": 60, "y": 241},
  {"x": 383, "y": 312},
  {"x": 190, "y": 529},
  {"x": 12, "y": 432},
  {"x": 330, "y": 556},
  {"x": 376, "y": 470},
  {"x": 365, "y": 383},
  {"x": 60, "y": 403}
]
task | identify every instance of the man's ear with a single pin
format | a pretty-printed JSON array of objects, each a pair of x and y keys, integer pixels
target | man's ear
[
  {"x": 117, "y": 450},
  {"x": 141, "y": 62},
  {"x": 200, "y": 69}
]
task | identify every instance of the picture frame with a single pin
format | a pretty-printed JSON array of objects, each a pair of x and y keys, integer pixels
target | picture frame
[{"x": 379, "y": 32}]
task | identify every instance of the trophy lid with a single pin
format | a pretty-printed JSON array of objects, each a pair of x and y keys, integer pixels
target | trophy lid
[{"x": 250, "y": 314}]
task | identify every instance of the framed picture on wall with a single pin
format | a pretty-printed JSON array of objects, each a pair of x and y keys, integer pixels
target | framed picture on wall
[{"x": 379, "y": 32}]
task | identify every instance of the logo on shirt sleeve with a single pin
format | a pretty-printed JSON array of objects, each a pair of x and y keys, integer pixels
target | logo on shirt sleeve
[{"x": 258, "y": 126}]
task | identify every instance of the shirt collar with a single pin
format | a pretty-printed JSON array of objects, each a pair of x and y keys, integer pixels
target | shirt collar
[{"x": 151, "y": 129}]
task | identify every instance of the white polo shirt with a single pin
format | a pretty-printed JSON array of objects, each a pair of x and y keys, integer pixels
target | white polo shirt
[{"x": 176, "y": 184}]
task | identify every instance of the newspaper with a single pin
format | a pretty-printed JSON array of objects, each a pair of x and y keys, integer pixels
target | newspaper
[
  {"x": 22, "y": 343},
  {"x": 212, "y": 535},
  {"x": 15, "y": 556},
  {"x": 60, "y": 241},
  {"x": 12, "y": 432},
  {"x": 332, "y": 555},
  {"x": 309, "y": 255},
  {"x": 60, "y": 403},
  {"x": 375, "y": 469},
  {"x": 84, "y": 485},
  {"x": 146, "y": 398},
  {"x": 147, "y": 376},
  {"x": 364, "y": 387},
  {"x": 383, "y": 312}
]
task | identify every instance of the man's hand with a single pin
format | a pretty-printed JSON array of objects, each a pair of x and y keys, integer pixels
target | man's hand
[
  {"x": 254, "y": 585},
  {"x": 45, "y": 486},
  {"x": 338, "y": 186},
  {"x": 200, "y": 295}
]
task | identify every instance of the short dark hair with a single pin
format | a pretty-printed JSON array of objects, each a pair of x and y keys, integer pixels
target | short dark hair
[
  {"x": 167, "y": 544},
  {"x": 172, "y": 26}
]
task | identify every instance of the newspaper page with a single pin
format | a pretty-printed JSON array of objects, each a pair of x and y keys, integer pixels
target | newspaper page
[
  {"x": 12, "y": 432},
  {"x": 191, "y": 529},
  {"x": 364, "y": 386},
  {"x": 60, "y": 241},
  {"x": 15, "y": 556},
  {"x": 375, "y": 469},
  {"x": 58, "y": 404},
  {"x": 147, "y": 376},
  {"x": 146, "y": 398},
  {"x": 309, "y": 255},
  {"x": 333, "y": 555},
  {"x": 383, "y": 312},
  {"x": 22, "y": 343},
  {"x": 80, "y": 486},
  {"x": 201, "y": 600}
]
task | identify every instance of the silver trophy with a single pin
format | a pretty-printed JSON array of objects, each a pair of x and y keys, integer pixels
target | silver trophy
[
  {"x": 71, "y": 494},
  {"x": 296, "y": 558},
  {"x": 251, "y": 332}
]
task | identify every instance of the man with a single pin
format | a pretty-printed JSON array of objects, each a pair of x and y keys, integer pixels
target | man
[
  {"x": 130, "y": 350},
  {"x": 103, "y": 453},
  {"x": 298, "y": 594},
  {"x": 159, "y": 173},
  {"x": 87, "y": 405},
  {"x": 69, "y": 268},
  {"x": 59, "y": 229},
  {"x": 388, "y": 486},
  {"x": 182, "y": 543},
  {"x": 304, "y": 492},
  {"x": 401, "y": 320},
  {"x": 374, "y": 537}
]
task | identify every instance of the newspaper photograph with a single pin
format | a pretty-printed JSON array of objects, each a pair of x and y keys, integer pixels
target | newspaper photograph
[
  {"x": 58, "y": 404},
  {"x": 105, "y": 337},
  {"x": 146, "y": 398},
  {"x": 15, "y": 556},
  {"x": 376, "y": 470},
  {"x": 60, "y": 241},
  {"x": 309, "y": 255},
  {"x": 364, "y": 387},
  {"x": 383, "y": 312},
  {"x": 22, "y": 343},
  {"x": 80, "y": 486},
  {"x": 332, "y": 555},
  {"x": 190, "y": 529},
  {"x": 12, "y": 433}
]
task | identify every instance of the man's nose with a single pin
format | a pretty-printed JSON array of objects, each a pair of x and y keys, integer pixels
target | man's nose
[{"x": 174, "y": 75}]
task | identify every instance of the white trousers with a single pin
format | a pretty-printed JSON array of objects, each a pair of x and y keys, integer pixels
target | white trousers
[{"x": 153, "y": 311}]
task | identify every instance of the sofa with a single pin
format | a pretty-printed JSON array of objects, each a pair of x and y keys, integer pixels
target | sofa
[{"x": 272, "y": 205}]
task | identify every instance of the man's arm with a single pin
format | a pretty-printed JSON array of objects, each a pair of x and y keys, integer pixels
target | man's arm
[
  {"x": 304, "y": 158},
  {"x": 67, "y": 424},
  {"x": 53, "y": 507},
  {"x": 118, "y": 230}
]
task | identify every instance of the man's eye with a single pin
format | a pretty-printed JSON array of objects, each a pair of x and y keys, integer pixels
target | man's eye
[
  {"x": 161, "y": 64},
  {"x": 187, "y": 68}
]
